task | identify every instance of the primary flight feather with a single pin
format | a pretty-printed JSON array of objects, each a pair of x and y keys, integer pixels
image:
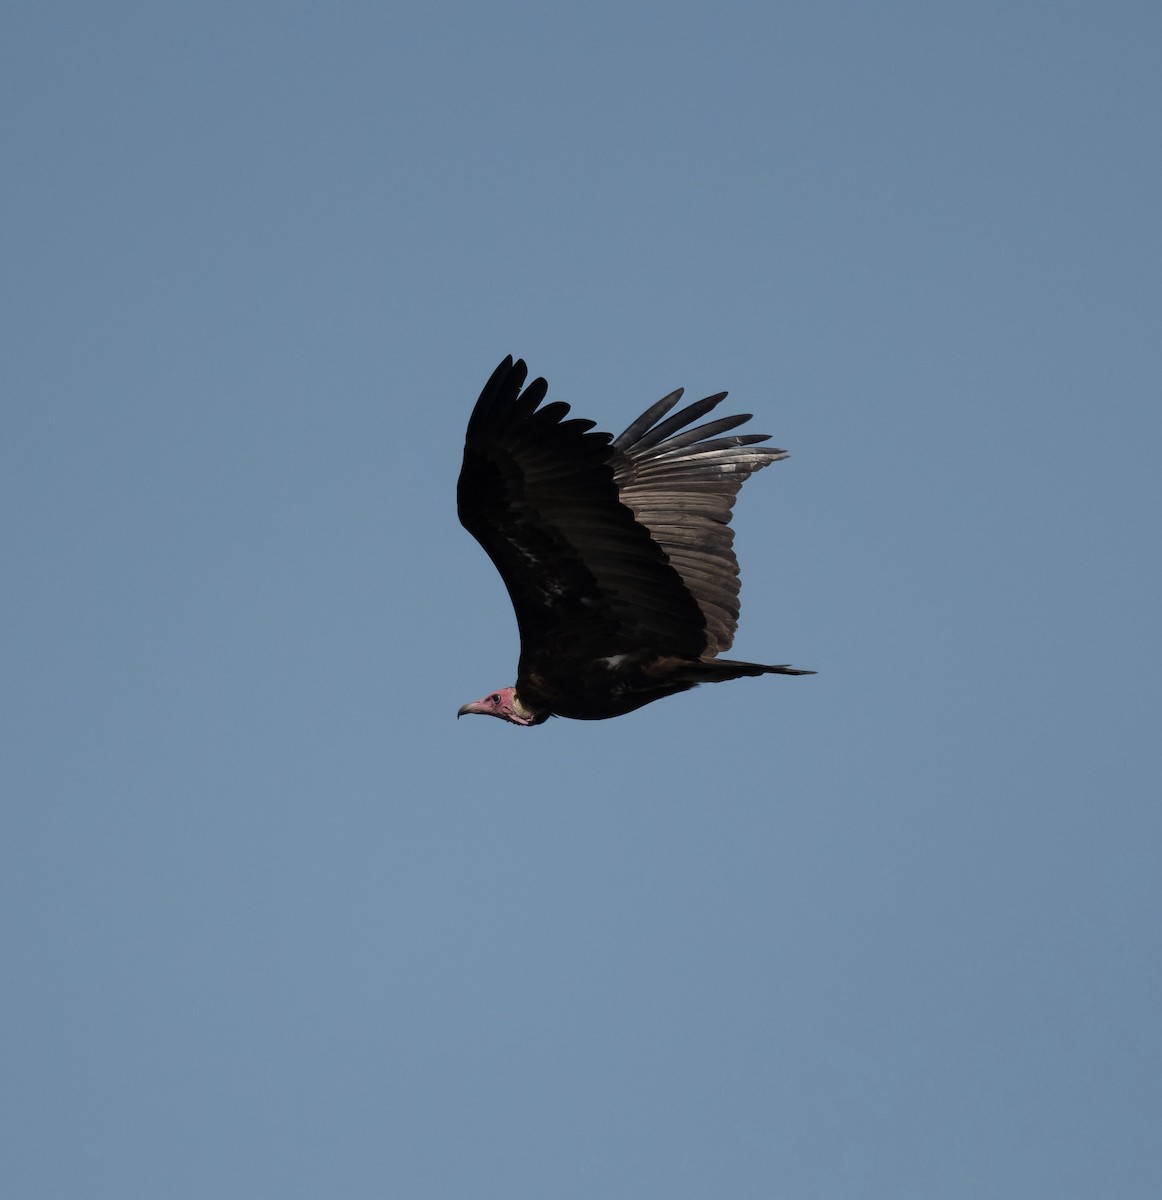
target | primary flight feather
[{"x": 616, "y": 552}]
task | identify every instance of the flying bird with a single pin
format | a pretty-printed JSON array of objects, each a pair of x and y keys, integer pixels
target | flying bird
[{"x": 616, "y": 552}]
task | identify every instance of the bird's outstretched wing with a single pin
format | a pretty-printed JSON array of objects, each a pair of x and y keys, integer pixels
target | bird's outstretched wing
[
  {"x": 585, "y": 578},
  {"x": 681, "y": 485}
]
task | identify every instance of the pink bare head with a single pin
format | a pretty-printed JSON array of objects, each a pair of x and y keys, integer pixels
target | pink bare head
[{"x": 503, "y": 704}]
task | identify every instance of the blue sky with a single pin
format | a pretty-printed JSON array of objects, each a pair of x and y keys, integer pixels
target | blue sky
[{"x": 274, "y": 923}]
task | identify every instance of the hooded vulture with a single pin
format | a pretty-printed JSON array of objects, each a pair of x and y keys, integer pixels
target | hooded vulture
[{"x": 616, "y": 552}]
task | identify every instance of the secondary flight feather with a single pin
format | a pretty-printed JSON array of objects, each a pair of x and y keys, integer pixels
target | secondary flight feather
[{"x": 616, "y": 552}]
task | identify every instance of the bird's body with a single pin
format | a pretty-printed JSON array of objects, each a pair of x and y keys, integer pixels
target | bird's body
[{"x": 616, "y": 552}]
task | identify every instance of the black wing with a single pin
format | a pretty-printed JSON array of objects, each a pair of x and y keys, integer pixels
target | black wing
[
  {"x": 585, "y": 578},
  {"x": 682, "y": 486}
]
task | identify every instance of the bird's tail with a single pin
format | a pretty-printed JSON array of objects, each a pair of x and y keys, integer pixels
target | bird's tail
[{"x": 714, "y": 670}]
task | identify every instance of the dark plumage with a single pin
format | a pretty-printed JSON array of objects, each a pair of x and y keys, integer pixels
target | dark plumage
[{"x": 616, "y": 552}]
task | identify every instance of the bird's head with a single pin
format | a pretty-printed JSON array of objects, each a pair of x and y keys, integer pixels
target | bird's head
[{"x": 503, "y": 704}]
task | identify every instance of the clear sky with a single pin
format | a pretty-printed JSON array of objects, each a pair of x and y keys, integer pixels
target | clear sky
[{"x": 273, "y": 922}]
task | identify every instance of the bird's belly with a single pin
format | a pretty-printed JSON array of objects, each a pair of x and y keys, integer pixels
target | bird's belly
[{"x": 610, "y": 688}]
